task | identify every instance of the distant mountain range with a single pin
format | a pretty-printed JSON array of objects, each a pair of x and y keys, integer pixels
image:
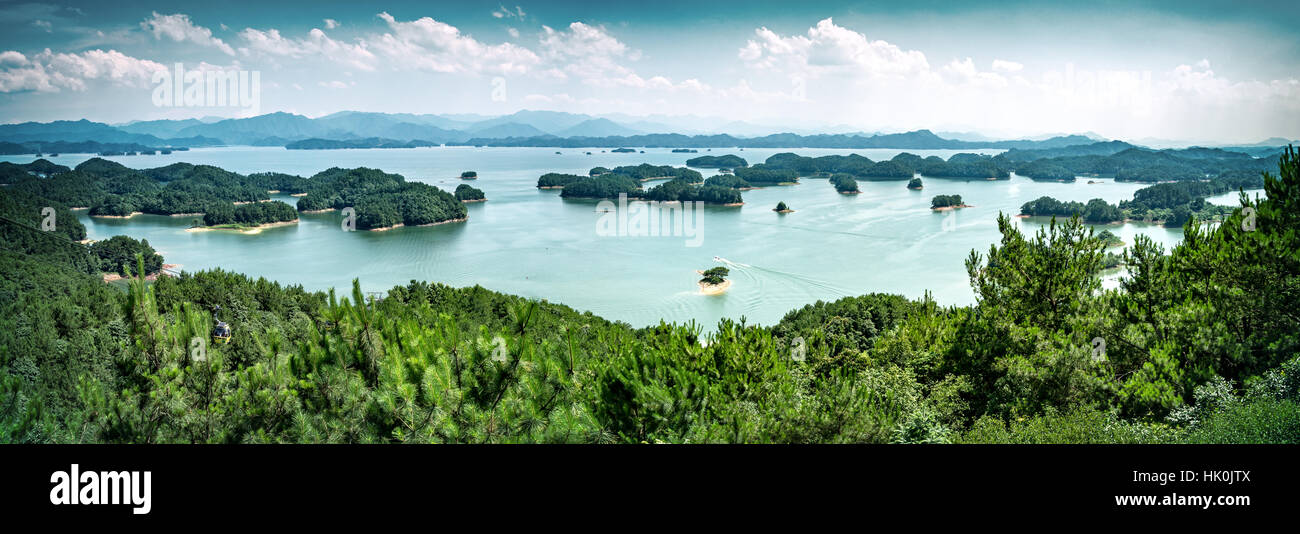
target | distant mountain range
[{"x": 523, "y": 128}]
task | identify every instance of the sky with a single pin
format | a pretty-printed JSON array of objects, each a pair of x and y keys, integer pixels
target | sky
[{"x": 1202, "y": 71}]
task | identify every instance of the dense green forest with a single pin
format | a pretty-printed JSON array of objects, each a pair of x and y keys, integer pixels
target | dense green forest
[
  {"x": 844, "y": 183},
  {"x": 609, "y": 185},
  {"x": 465, "y": 193},
  {"x": 684, "y": 190},
  {"x": 729, "y": 161},
  {"x": 1172, "y": 202},
  {"x": 728, "y": 180},
  {"x": 381, "y": 199},
  {"x": 1200, "y": 344},
  {"x": 646, "y": 171},
  {"x": 945, "y": 201},
  {"x": 557, "y": 180},
  {"x": 227, "y": 198},
  {"x": 118, "y": 253},
  {"x": 253, "y": 214}
]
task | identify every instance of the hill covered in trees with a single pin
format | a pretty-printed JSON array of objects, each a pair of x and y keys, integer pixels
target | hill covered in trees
[{"x": 381, "y": 200}]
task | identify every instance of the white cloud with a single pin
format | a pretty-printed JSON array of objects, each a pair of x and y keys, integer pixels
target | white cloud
[
  {"x": 513, "y": 32},
  {"x": 317, "y": 44},
  {"x": 588, "y": 52},
  {"x": 331, "y": 24},
  {"x": 50, "y": 72},
  {"x": 179, "y": 28},
  {"x": 1002, "y": 65},
  {"x": 44, "y": 25},
  {"x": 831, "y": 48},
  {"x": 504, "y": 12},
  {"x": 428, "y": 44},
  {"x": 334, "y": 84}
]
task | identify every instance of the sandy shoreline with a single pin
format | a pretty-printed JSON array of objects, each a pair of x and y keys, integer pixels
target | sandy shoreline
[
  {"x": 133, "y": 214},
  {"x": 946, "y": 208},
  {"x": 400, "y": 225},
  {"x": 475, "y": 200},
  {"x": 712, "y": 289},
  {"x": 326, "y": 210},
  {"x": 246, "y": 231},
  {"x": 783, "y": 211},
  {"x": 113, "y": 277}
]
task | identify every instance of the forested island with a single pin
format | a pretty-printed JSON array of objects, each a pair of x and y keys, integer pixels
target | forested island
[
  {"x": 946, "y": 202},
  {"x": 249, "y": 215},
  {"x": 1172, "y": 203},
  {"x": 381, "y": 200},
  {"x": 465, "y": 193},
  {"x": 110, "y": 189},
  {"x": 844, "y": 184},
  {"x": 728, "y": 161},
  {"x": 224, "y": 199},
  {"x": 370, "y": 142},
  {"x": 714, "y": 281},
  {"x": 683, "y": 185},
  {"x": 1193, "y": 349},
  {"x": 915, "y": 183}
]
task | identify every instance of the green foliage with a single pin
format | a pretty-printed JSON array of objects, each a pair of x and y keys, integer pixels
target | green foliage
[
  {"x": 381, "y": 199},
  {"x": 844, "y": 183},
  {"x": 118, "y": 255},
  {"x": 728, "y": 161},
  {"x": 715, "y": 276},
  {"x": 945, "y": 201},
  {"x": 465, "y": 192},
  {"x": 552, "y": 179},
  {"x": 250, "y": 214},
  {"x": 728, "y": 181},
  {"x": 1199, "y": 346}
]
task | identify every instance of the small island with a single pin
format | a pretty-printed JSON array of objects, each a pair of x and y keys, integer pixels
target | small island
[
  {"x": 469, "y": 175},
  {"x": 684, "y": 151},
  {"x": 247, "y": 218},
  {"x": 947, "y": 202},
  {"x": 1109, "y": 239},
  {"x": 782, "y": 208},
  {"x": 623, "y": 151},
  {"x": 714, "y": 281},
  {"x": 382, "y": 200},
  {"x": 729, "y": 161},
  {"x": 845, "y": 184},
  {"x": 555, "y": 180},
  {"x": 915, "y": 183},
  {"x": 465, "y": 193}
]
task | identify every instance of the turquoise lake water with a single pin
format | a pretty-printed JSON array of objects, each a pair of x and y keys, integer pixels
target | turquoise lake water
[{"x": 531, "y": 242}]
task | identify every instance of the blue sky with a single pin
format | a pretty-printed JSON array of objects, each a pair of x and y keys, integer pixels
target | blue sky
[{"x": 1176, "y": 70}]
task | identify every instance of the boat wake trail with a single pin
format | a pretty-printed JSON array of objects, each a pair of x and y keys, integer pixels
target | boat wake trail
[{"x": 784, "y": 277}]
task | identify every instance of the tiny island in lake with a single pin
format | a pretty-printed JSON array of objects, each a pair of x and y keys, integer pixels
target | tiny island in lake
[
  {"x": 947, "y": 202},
  {"x": 714, "y": 281},
  {"x": 682, "y": 185},
  {"x": 782, "y": 208},
  {"x": 469, "y": 175}
]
